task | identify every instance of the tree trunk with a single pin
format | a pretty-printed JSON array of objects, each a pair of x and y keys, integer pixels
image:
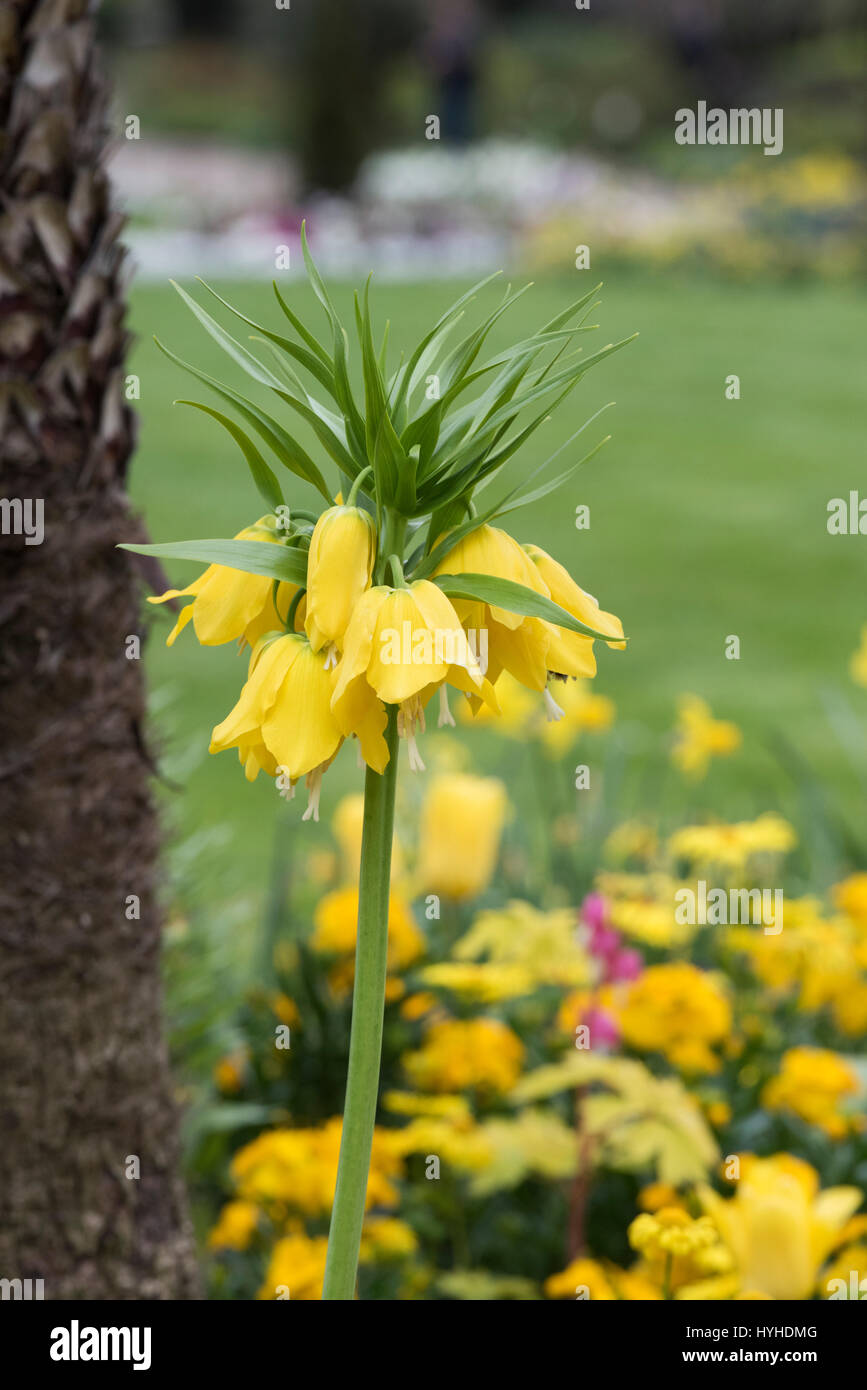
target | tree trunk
[{"x": 84, "y": 1081}]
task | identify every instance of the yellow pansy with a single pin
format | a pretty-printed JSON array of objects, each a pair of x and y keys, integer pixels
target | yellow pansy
[
  {"x": 296, "y": 1269},
  {"x": 460, "y": 1054},
  {"x": 812, "y": 1082},
  {"x": 678, "y": 1010},
  {"x": 235, "y": 1226}
]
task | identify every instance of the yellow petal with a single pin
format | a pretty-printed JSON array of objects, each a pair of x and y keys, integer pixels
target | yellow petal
[
  {"x": 268, "y": 667},
  {"x": 339, "y": 566},
  {"x": 300, "y": 730}
]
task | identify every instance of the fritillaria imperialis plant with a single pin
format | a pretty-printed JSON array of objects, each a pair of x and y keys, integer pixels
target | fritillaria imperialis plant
[{"x": 357, "y": 616}]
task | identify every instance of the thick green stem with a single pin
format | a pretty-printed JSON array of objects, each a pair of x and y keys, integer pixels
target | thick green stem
[{"x": 365, "y": 1043}]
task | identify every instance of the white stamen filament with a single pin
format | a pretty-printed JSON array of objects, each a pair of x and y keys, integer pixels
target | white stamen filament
[
  {"x": 330, "y": 657},
  {"x": 553, "y": 712},
  {"x": 446, "y": 718},
  {"x": 415, "y": 760},
  {"x": 314, "y": 790}
]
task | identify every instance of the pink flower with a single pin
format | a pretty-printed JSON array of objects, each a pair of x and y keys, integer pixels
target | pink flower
[{"x": 604, "y": 1032}]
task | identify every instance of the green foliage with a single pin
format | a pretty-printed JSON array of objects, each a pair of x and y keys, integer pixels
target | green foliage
[{"x": 431, "y": 432}]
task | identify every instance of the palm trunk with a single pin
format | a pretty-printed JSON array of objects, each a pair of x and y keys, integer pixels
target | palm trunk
[{"x": 84, "y": 1082}]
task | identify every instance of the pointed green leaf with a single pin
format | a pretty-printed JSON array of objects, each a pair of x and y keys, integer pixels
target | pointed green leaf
[
  {"x": 517, "y": 598},
  {"x": 275, "y": 561},
  {"x": 263, "y": 477}
]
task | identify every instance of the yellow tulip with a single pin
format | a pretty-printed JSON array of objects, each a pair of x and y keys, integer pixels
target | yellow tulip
[
  {"x": 229, "y": 604},
  {"x": 461, "y": 824},
  {"x": 339, "y": 567},
  {"x": 779, "y": 1226}
]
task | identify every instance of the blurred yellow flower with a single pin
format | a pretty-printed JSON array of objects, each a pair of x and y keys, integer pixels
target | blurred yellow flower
[
  {"x": 456, "y": 1140},
  {"x": 599, "y": 1280},
  {"x": 298, "y": 1167},
  {"x": 296, "y": 1268},
  {"x": 632, "y": 839},
  {"x": 229, "y": 1072},
  {"x": 461, "y": 823},
  {"x": 544, "y": 945},
  {"x": 658, "y": 1194},
  {"x": 286, "y": 1010},
  {"x": 850, "y": 897},
  {"x": 812, "y": 1082},
  {"x": 415, "y": 1006},
  {"x": 457, "y": 1055},
  {"x": 671, "y": 1231},
  {"x": 779, "y": 1227},
  {"x": 386, "y": 1238},
  {"x": 336, "y": 923},
  {"x": 731, "y": 846},
  {"x": 235, "y": 1226},
  {"x": 486, "y": 981},
  {"x": 678, "y": 1010},
  {"x": 699, "y": 737},
  {"x": 347, "y": 824},
  {"x": 446, "y": 1107},
  {"x": 858, "y": 663},
  {"x": 517, "y": 708}
]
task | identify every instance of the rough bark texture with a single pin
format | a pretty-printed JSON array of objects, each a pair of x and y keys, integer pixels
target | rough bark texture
[{"x": 84, "y": 1080}]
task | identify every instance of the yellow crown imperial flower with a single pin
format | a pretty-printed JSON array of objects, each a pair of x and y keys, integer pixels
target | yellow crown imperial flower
[
  {"x": 339, "y": 568},
  {"x": 394, "y": 594},
  {"x": 401, "y": 643},
  {"x": 230, "y": 605},
  {"x": 516, "y": 643},
  {"x": 283, "y": 720},
  {"x": 570, "y": 653}
]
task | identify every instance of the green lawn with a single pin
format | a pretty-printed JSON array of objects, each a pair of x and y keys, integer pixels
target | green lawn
[{"x": 707, "y": 519}]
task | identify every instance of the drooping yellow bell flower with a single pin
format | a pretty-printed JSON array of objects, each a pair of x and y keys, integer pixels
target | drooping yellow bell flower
[
  {"x": 779, "y": 1226},
  {"x": 283, "y": 720},
  {"x": 339, "y": 567},
  {"x": 461, "y": 824},
  {"x": 516, "y": 643},
  {"x": 399, "y": 645},
  {"x": 571, "y": 653},
  {"x": 230, "y": 604}
]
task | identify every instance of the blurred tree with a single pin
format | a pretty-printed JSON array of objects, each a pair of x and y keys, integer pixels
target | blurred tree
[
  {"x": 345, "y": 57},
  {"x": 90, "y": 1197}
]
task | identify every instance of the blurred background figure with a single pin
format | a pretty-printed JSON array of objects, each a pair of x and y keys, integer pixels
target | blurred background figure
[{"x": 453, "y": 51}]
